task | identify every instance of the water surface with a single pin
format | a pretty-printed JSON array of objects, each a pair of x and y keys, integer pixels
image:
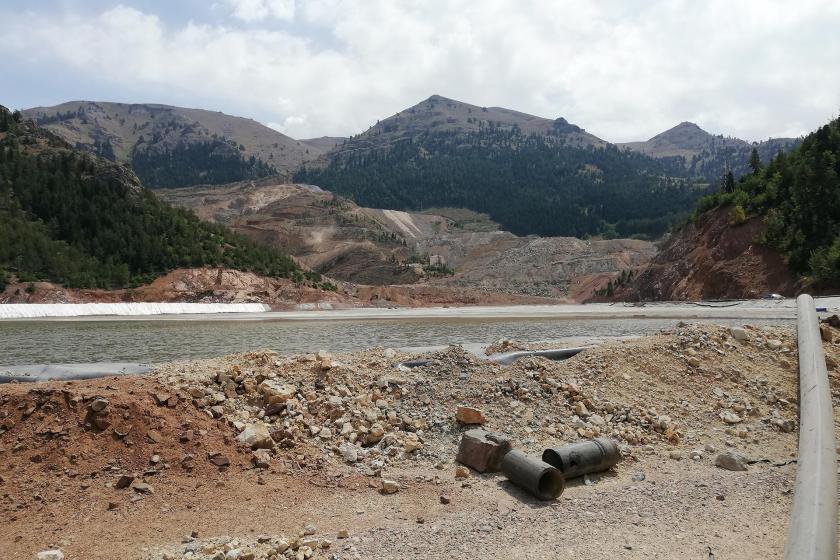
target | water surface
[{"x": 149, "y": 341}]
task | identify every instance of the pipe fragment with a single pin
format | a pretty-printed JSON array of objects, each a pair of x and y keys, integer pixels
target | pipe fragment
[
  {"x": 584, "y": 457},
  {"x": 529, "y": 473}
]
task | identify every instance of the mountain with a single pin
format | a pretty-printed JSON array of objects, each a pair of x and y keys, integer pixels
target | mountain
[
  {"x": 775, "y": 229},
  {"x": 705, "y": 155},
  {"x": 438, "y": 114},
  {"x": 75, "y": 218},
  {"x": 174, "y": 146},
  {"x": 531, "y": 175}
]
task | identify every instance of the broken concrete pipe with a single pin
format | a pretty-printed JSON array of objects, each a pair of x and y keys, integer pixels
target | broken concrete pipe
[
  {"x": 578, "y": 459},
  {"x": 529, "y": 473}
]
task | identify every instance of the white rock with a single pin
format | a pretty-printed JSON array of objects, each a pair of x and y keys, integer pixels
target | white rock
[
  {"x": 256, "y": 436},
  {"x": 390, "y": 486},
  {"x": 739, "y": 334},
  {"x": 50, "y": 555},
  {"x": 349, "y": 452},
  {"x": 730, "y": 417}
]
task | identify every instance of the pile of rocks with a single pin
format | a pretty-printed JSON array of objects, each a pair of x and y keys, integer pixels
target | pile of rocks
[{"x": 305, "y": 544}]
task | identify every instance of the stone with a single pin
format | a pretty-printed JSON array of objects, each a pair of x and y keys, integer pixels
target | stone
[
  {"x": 310, "y": 529},
  {"x": 469, "y": 415},
  {"x": 390, "y": 353},
  {"x": 411, "y": 443},
  {"x": 597, "y": 419},
  {"x": 774, "y": 344},
  {"x": 694, "y": 361},
  {"x": 731, "y": 461},
  {"x": 638, "y": 477},
  {"x": 730, "y": 417},
  {"x": 482, "y": 450},
  {"x": 580, "y": 409},
  {"x": 343, "y": 534},
  {"x": 276, "y": 392},
  {"x": 261, "y": 458},
  {"x": 98, "y": 405},
  {"x": 445, "y": 499},
  {"x": 462, "y": 472},
  {"x": 50, "y": 555},
  {"x": 375, "y": 434},
  {"x": 784, "y": 426},
  {"x": 256, "y": 436},
  {"x": 389, "y": 486},
  {"x": 826, "y": 334},
  {"x": 219, "y": 460},
  {"x": 739, "y": 334},
  {"x": 349, "y": 452},
  {"x": 675, "y": 455},
  {"x": 124, "y": 481},
  {"x": 143, "y": 488}
]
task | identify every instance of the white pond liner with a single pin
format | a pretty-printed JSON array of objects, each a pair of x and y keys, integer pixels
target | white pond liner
[{"x": 34, "y": 310}]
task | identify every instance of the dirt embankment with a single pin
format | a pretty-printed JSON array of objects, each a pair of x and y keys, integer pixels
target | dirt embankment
[
  {"x": 204, "y": 285},
  {"x": 287, "y": 457},
  {"x": 709, "y": 259}
]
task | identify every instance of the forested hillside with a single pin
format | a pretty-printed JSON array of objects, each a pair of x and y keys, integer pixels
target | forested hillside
[
  {"x": 175, "y": 146},
  {"x": 798, "y": 197},
  {"x": 77, "y": 219},
  {"x": 529, "y": 183},
  {"x": 706, "y": 155}
]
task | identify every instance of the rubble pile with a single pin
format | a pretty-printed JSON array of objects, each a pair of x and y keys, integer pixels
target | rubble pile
[{"x": 359, "y": 409}]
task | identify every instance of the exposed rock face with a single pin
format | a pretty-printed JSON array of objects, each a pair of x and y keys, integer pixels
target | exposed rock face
[{"x": 710, "y": 259}]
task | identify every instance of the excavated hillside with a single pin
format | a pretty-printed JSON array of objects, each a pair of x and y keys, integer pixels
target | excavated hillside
[
  {"x": 379, "y": 247},
  {"x": 711, "y": 258}
]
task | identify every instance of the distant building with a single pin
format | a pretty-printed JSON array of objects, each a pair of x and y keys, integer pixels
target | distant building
[{"x": 437, "y": 260}]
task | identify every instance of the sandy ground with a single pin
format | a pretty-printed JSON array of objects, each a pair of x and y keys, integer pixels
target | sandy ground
[{"x": 663, "y": 398}]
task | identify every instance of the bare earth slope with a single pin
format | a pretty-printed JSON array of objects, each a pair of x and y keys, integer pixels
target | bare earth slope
[
  {"x": 193, "y": 488},
  {"x": 370, "y": 246},
  {"x": 86, "y": 123},
  {"x": 709, "y": 259}
]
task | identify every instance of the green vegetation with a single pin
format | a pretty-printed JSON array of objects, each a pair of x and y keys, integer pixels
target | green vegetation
[
  {"x": 213, "y": 162},
  {"x": 77, "y": 219},
  {"x": 798, "y": 196},
  {"x": 528, "y": 183},
  {"x": 609, "y": 290}
]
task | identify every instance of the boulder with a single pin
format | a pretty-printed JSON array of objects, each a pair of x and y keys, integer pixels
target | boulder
[
  {"x": 731, "y": 461},
  {"x": 739, "y": 334},
  {"x": 482, "y": 450},
  {"x": 256, "y": 436},
  {"x": 276, "y": 392},
  {"x": 50, "y": 555},
  {"x": 826, "y": 334}
]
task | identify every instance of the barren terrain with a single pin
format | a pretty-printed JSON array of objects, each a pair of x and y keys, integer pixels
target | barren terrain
[
  {"x": 371, "y": 246},
  {"x": 166, "y": 467}
]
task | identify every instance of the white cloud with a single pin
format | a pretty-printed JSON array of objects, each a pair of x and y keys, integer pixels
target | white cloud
[
  {"x": 258, "y": 10},
  {"x": 622, "y": 70}
]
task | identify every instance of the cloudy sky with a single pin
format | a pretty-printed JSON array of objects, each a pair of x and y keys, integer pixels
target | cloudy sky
[{"x": 622, "y": 69}]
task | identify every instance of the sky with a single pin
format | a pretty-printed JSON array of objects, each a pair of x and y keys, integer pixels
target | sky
[{"x": 622, "y": 69}]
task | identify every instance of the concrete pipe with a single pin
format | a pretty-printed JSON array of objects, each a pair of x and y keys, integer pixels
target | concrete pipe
[
  {"x": 529, "y": 473},
  {"x": 584, "y": 457}
]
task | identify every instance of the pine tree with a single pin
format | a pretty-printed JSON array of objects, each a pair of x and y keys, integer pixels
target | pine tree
[
  {"x": 728, "y": 182},
  {"x": 755, "y": 161}
]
